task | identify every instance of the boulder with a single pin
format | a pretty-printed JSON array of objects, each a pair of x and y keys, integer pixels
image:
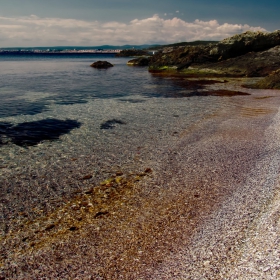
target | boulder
[
  {"x": 140, "y": 61},
  {"x": 101, "y": 64},
  {"x": 272, "y": 81}
]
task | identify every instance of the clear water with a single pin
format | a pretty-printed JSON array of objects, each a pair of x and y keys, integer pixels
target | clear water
[
  {"x": 66, "y": 128},
  {"x": 68, "y": 80},
  {"x": 31, "y": 85},
  {"x": 61, "y": 119}
]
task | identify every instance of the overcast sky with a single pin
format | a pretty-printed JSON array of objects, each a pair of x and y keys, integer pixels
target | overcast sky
[{"x": 117, "y": 22}]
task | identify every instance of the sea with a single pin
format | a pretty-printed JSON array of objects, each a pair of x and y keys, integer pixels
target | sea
[
  {"x": 121, "y": 160},
  {"x": 62, "y": 120},
  {"x": 33, "y": 86},
  {"x": 55, "y": 110}
]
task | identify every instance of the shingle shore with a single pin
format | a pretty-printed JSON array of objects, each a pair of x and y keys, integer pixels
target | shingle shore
[{"x": 189, "y": 202}]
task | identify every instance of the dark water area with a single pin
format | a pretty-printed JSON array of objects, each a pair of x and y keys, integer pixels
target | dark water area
[
  {"x": 21, "y": 107},
  {"x": 32, "y": 133}
]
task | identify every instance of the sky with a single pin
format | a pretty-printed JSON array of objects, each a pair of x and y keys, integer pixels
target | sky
[{"x": 34, "y": 23}]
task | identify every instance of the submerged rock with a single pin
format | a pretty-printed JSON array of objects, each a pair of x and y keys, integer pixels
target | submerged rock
[
  {"x": 110, "y": 124},
  {"x": 101, "y": 64},
  {"x": 32, "y": 133}
]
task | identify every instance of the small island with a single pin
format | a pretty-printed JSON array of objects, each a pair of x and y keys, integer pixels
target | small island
[{"x": 101, "y": 64}]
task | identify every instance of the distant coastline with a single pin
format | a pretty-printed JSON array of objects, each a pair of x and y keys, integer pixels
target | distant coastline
[
  {"x": 51, "y": 52},
  {"x": 106, "y": 49}
]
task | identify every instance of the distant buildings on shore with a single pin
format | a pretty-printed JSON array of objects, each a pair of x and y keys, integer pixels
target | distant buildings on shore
[{"x": 58, "y": 51}]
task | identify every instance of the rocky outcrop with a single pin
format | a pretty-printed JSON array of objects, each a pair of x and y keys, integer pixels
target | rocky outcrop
[
  {"x": 208, "y": 59},
  {"x": 272, "y": 81},
  {"x": 181, "y": 58},
  {"x": 101, "y": 64},
  {"x": 252, "y": 64},
  {"x": 246, "y": 42},
  {"x": 140, "y": 61},
  {"x": 131, "y": 53}
]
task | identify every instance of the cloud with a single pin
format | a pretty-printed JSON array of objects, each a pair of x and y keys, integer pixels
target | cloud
[{"x": 35, "y": 31}]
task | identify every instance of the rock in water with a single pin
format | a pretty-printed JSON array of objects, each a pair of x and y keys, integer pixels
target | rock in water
[
  {"x": 141, "y": 61},
  {"x": 101, "y": 64},
  {"x": 272, "y": 81}
]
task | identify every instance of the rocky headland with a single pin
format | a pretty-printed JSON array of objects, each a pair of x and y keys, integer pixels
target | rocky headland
[
  {"x": 140, "y": 61},
  {"x": 132, "y": 52},
  {"x": 250, "y": 54}
]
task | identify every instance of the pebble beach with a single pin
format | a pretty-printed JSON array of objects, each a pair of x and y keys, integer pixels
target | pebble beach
[{"x": 147, "y": 188}]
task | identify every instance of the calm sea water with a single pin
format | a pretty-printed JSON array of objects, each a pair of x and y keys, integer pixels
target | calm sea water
[
  {"x": 61, "y": 80},
  {"x": 61, "y": 119},
  {"x": 211, "y": 161},
  {"x": 32, "y": 84},
  {"x": 69, "y": 80}
]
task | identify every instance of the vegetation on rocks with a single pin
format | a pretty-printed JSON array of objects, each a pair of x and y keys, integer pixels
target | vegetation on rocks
[
  {"x": 272, "y": 81},
  {"x": 140, "y": 61},
  {"x": 132, "y": 52},
  {"x": 250, "y": 54}
]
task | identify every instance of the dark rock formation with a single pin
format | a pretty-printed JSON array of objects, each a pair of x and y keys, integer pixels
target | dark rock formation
[
  {"x": 196, "y": 58},
  {"x": 110, "y": 124},
  {"x": 252, "y": 64},
  {"x": 272, "y": 81},
  {"x": 128, "y": 53},
  {"x": 101, "y": 64},
  {"x": 141, "y": 61},
  {"x": 246, "y": 42},
  {"x": 180, "y": 58}
]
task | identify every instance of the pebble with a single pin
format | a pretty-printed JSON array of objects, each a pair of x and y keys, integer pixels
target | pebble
[
  {"x": 266, "y": 269},
  {"x": 87, "y": 177},
  {"x": 206, "y": 263}
]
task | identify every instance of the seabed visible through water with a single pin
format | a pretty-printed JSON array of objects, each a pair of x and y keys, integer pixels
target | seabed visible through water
[{"x": 137, "y": 187}]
